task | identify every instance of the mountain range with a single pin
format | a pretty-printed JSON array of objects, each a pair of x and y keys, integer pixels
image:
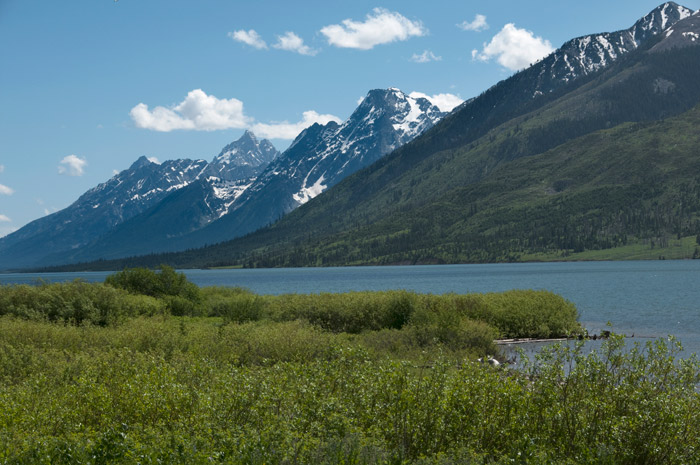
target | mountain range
[
  {"x": 592, "y": 150},
  {"x": 181, "y": 204},
  {"x": 546, "y": 164}
]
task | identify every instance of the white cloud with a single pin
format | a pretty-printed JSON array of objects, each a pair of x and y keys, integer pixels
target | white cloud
[
  {"x": 514, "y": 48},
  {"x": 203, "y": 112},
  {"x": 2, "y": 168},
  {"x": 286, "y": 130},
  {"x": 199, "y": 111},
  {"x": 72, "y": 166},
  {"x": 380, "y": 27},
  {"x": 4, "y": 190},
  {"x": 154, "y": 160},
  {"x": 5, "y": 219},
  {"x": 425, "y": 57},
  {"x": 4, "y": 231},
  {"x": 479, "y": 24},
  {"x": 250, "y": 37},
  {"x": 293, "y": 43},
  {"x": 445, "y": 102}
]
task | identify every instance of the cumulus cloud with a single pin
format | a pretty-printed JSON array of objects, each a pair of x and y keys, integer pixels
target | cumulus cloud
[
  {"x": 514, "y": 48},
  {"x": 445, "y": 102},
  {"x": 293, "y": 43},
  {"x": 425, "y": 57},
  {"x": 72, "y": 166},
  {"x": 199, "y": 111},
  {"x": 380, "y": 27},
  {"x": 202, "y": 112},
  {"x": 250, "y": 37},
  {"x": 479, "y": 24},
  {"x": 286, "y": 130},
  {"x": 5, "y": 219},
  {"x": 4, "y": 190}
]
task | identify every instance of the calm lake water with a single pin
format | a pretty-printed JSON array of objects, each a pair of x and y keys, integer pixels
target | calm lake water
[{"x": 644, "y": 298}]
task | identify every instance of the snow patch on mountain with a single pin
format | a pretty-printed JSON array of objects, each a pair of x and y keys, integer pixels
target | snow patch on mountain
[
  {"x": 308, "y": 193},
  {"x": 585, "y": 55}
]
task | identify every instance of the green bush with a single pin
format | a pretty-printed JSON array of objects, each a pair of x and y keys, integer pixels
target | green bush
[
  {"x": 75, "y": 303},
  {"x": 239, "y": 309},
  {"x": 351, "y": 312},
  {"x": 164, "y": 282},
  {"x": 521, "y": 313},
  {"x": 185, "y": 390}
]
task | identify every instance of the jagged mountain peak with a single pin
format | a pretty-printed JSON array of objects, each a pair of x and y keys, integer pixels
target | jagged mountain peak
[
  {"x": 587, "y": 54},
  {"x": 247, "y": 150},
  {"x": 409, "y": 116},
  {"x": 662, "y": 17},
  {"x": 142, "y": 161},
  {"x": 682, "y": 34},
  {"x": 322, "y": 155}
]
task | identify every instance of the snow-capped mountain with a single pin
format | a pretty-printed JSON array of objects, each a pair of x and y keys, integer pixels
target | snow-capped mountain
[
  {"x": 241, "y": 159},
  {"x": 142, "y": 186},
  {"x": 185, "y": 204},
  {"x": 585, "y": 55},
  {"x": 216, "y": 207},
  {"x": 232, "y": 171},
  {"x": 567, "y": 66},
  {"x": 321, "y": 156},
  {"x": 682, "y": 34}
]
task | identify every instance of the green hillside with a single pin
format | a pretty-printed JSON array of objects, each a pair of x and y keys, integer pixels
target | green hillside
[{"x": 635, "y": 187}]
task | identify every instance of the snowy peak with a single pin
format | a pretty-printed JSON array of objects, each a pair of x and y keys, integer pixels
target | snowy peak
[
  {"x": 322, "y": 155},
  {"x": 240, "y": 160},
  {"x": 684, "y": 33},
  {"x": 584, "y": 55},
  {"x": 138, "y": 187},
  {"x": 407, "y": 116},
  {"x": 247, "y": 151},
  {"x": 658, "y": 20}
]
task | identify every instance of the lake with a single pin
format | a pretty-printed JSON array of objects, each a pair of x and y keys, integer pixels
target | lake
[{"x": 644, "y": 298}]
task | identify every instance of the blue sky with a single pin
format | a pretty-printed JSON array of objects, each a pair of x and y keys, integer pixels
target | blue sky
[{"x": 88, "y": 86}]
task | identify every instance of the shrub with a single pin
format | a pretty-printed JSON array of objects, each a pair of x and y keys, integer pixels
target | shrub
[
  {"x": 238, "y": 309},
  {"x": 76, "y": 303},
  {"x": 164, "y": 282}
]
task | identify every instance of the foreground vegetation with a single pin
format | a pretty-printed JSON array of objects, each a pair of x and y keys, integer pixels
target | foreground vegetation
[{"x": 93, "y": 373}]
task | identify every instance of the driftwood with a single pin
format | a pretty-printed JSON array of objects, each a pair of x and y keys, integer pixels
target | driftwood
[{"x": 527, "y": 340}]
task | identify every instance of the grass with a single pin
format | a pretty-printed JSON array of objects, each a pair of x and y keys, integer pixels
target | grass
[{"x": 677, "y": 249}]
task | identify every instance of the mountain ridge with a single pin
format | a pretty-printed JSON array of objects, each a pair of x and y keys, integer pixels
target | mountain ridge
[
  {"x": 509, "y": 122},
  {"x": 126, "y": 195},
  {"x": 226, "y": 199},
  {"x": 393, "y": 205}
]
